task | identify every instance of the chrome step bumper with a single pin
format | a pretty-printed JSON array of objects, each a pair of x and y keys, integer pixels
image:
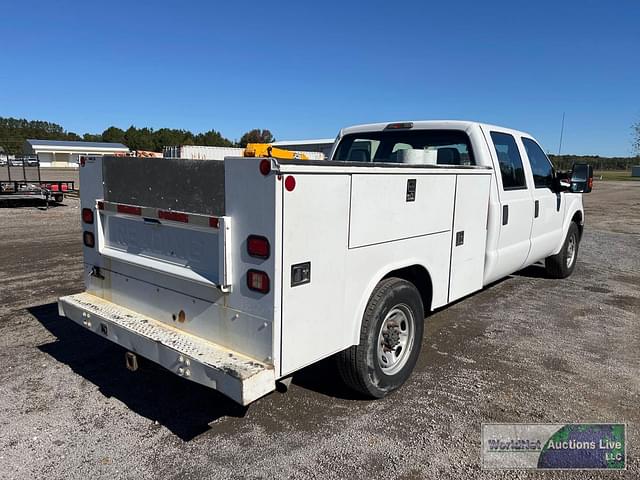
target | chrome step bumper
[{"x": 237, "y": 376}]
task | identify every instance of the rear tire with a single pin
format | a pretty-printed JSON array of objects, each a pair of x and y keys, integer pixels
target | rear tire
[
  {"x": 563, "y": 264},
  {"x": 390, "y": 340}
]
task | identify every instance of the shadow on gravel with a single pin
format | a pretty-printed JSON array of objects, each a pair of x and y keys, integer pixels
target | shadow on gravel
[
  {"x": 186, "y": 408},
  {"x": 533, "y": 271},
  {"x": 323, "y": 378},
  {"x": 29, "y": 203}
]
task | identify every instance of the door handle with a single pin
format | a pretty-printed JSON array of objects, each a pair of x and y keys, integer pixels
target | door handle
[
  {"x": 536, "y": 209},
  {"x": 505, "y": 214}
]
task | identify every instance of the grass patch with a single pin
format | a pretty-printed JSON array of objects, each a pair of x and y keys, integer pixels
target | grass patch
[{"x": 614, "y": 175}]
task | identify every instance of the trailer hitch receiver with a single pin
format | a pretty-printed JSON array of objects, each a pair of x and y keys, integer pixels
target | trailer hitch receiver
[{"x": 131, "y": 361}]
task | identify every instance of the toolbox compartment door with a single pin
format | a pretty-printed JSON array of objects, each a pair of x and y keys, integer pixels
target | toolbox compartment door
[
  {"x": 385, "y": 208},
  {"x": 191, "y": 252},
  {"x": 469, "y": 236}
]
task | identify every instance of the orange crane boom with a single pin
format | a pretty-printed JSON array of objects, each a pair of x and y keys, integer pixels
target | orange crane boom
[{"x": 267, "y": 150}]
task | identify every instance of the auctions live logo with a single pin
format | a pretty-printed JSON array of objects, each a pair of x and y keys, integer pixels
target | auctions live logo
[{"x": 554, "y": 446}]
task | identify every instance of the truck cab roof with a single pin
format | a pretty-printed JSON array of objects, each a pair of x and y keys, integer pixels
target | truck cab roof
[{"x": 463, "y": 125}]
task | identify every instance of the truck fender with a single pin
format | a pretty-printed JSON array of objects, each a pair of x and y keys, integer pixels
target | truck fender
[
  {"x": 388, "y": 271},
  {"x": 574, "y": 212}
]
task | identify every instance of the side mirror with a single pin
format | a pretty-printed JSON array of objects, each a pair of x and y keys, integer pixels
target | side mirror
[{"x": 581, "y": 178}]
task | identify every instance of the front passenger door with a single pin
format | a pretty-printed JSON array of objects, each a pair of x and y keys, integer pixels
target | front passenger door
[
  {"x": 515, "y": 201},
  {"x": 546, "y": 231}
]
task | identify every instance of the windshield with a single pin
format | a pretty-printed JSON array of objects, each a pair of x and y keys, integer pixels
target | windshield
[{"x": 436, "y": 147}]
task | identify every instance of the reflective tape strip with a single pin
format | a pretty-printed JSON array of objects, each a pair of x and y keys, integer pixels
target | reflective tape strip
[
  {"x": 195, "y": 219},
  {"x": 148, "y": 212},
  {"x": 129, "y": 209},
  {"x": 200, "y": 220},
  {"x": 173, "y": 216}
]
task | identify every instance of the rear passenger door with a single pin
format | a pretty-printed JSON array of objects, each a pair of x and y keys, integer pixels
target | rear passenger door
[
  {"x": 516, "y": 203},
  {"x": 546, "y": 231}
]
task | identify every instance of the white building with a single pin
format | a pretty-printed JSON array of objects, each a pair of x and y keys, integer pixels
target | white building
[{"x": 62, "y": 153}]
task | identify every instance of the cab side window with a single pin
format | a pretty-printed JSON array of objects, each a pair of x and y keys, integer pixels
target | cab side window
[
  {"x": 510, "y": 161},
  {"x": 540, "y": 164}
]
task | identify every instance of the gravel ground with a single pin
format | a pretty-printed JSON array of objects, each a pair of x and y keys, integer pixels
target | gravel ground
[{"x": 527, "y": 349}]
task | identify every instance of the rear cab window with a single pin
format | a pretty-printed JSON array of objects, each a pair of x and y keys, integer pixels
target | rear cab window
[
  {"x": 436, "y": 147},
  {"x": 511, "y": 168}
]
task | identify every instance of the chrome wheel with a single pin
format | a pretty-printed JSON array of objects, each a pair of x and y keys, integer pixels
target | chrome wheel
[
  {"x": 395, "y": 339},
  {"x": 572, "y": 245}
]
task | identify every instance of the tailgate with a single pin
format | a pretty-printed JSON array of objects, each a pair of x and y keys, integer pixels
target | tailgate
[{"x": 186, "y": 245}]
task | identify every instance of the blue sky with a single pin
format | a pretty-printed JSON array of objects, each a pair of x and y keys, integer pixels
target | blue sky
[{"x": 305, "y": 69}]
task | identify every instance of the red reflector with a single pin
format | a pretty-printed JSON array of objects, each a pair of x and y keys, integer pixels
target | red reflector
[
  {"x": 100, "y": 205},
  {"x": 258, "y": 246},
  {"x": 174, "y": 216},
  {"x": 129, "y": 209},
  {"x": 290, "y": 183},
  {"x": 87, "y": 215},
  {"x": 88, "y": 239},
  {"x": 265, "y": 167},
  {"x": 258, "y": 281},
  {"x": 214, "y": 222}
]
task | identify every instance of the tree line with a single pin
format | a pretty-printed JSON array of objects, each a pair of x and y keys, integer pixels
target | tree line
[
  {"x": 564, "y": 162},
  {"x": 14, "y": 131}
]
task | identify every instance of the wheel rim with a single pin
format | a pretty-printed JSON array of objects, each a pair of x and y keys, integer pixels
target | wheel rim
[
  {"x": 571, "y": 250},
  {"x": 395, "y": 339}
]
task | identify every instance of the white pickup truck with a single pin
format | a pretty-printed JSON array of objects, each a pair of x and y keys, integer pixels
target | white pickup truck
[{"x": 236, "y": 274}]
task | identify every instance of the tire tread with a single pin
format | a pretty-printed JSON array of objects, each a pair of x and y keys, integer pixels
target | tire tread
[
  {"x": 350, "y": 363},
  {"x": 556, "y": 265}
]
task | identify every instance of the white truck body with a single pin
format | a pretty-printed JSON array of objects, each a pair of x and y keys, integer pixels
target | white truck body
[{"x": 167, "y": 275}]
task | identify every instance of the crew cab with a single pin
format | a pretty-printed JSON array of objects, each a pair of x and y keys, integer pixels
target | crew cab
[{"x": 236, "y": 274}]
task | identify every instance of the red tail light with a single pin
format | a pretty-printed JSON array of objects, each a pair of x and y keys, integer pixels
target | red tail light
[
  {"x": 258, "y": 246},
  {"x": 258, "y": 281},
  {"x": 87, "y": 215},
  {"x": 590, "y": 183},
  {"x": 265, "y": 167},
  {"x": 88, "y": 239}
]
